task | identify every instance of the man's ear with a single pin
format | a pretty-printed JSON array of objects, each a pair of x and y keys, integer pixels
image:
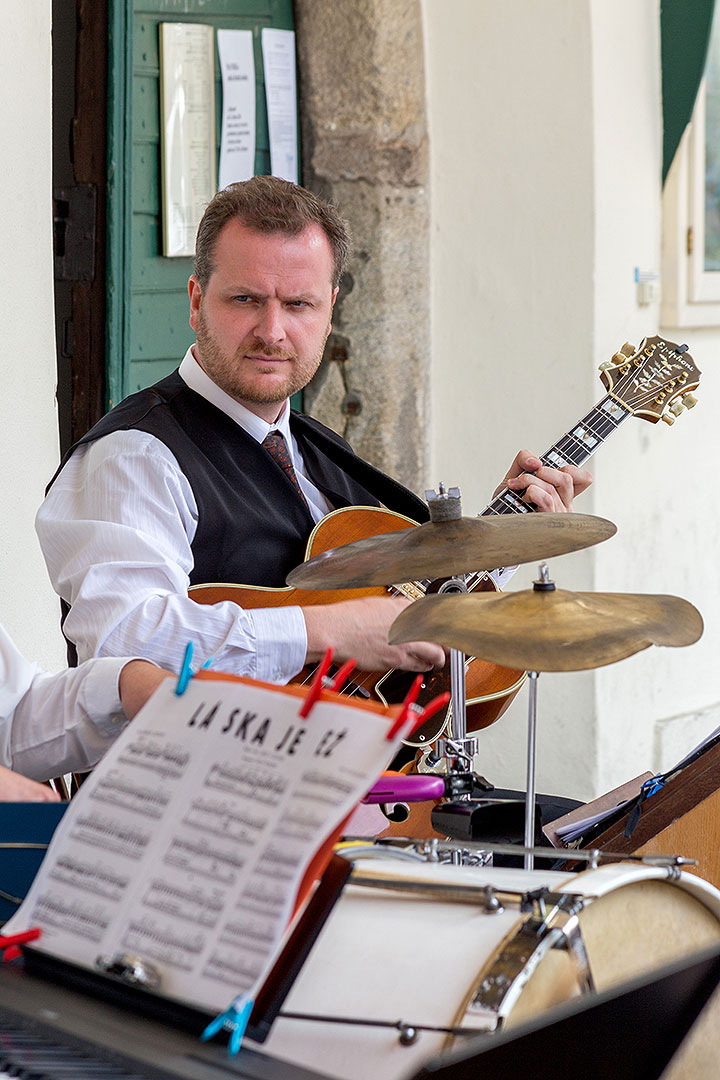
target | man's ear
[
  {"x": 336, "y": 290},
  {"x": 195, "y": 294}
]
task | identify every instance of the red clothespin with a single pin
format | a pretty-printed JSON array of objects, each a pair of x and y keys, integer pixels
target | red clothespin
[
  {"x": 342, "y": 676},
  {"x": 430, "y": 709},
  {"x": 9, "y": 943},
  {"x": 420, "y": 715},
  {"x": 406, "y": 706},
  {"x": 321, "y": 682}
]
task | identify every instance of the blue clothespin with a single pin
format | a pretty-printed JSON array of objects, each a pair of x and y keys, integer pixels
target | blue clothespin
[
  {"x": 652, "y": 785},
  {"x": 186, "y": 671},
  {"x": 235, "y": 1020}
]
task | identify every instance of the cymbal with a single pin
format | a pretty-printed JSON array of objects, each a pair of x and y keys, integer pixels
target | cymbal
[
  {"x": 553, "y": 630},
  {"x": 444, "y": 548}
]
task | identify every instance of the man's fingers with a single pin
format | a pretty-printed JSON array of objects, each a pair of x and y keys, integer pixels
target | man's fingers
[{"x": 420, "y": 656}]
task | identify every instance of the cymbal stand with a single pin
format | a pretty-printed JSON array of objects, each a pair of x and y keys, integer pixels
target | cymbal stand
[
  {"x": 459, "y": 751},
  {"x": 543, "y": 584},
  {"x": 529, "y": 858}
]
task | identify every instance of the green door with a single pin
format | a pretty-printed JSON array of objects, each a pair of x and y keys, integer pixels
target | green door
[{"x": 147, "y": 308}]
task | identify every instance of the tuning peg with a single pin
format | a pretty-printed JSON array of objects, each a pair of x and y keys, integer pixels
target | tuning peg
[
  {"x": 668, "y": 418},
  {"x": 627, "y": 349},
  {"x": 689, "y": 401},
  {"x": 677, "y": 407},
  {"x": 607, "y": 364}
]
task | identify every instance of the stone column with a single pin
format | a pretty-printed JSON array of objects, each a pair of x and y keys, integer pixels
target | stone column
[{"x": 364, "y": 139}]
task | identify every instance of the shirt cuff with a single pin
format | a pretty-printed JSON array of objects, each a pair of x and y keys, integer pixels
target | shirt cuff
[
  {"x": 502, "y": 575},
  {"x": 100, "y": 694},
  {"x": 280, "y": 642}
]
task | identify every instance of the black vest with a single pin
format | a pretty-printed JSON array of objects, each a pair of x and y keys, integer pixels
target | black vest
[{"x": 253, "y": 525}]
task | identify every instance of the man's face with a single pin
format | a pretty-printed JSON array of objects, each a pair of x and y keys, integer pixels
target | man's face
[{"x": 263, "y": 319}]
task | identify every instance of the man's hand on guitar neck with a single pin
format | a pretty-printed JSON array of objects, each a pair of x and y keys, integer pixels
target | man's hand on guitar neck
[
  {"x": 549, "y": 490},
  {"x": 359, "y": 629}
]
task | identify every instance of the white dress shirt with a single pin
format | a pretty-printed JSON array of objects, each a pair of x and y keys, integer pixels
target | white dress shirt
[{"x": 53, "y": 724}]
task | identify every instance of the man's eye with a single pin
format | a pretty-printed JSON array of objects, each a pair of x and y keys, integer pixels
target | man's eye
[
  {"x": 243, "y": 299},
  {"x": 297, "y": 303}
]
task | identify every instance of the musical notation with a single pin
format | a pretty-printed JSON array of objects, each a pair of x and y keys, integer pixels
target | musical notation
[
  {"x": 117, "y": 791},
  {"x": 90, "y": 877},
  {"x": 110, "y": 834}
]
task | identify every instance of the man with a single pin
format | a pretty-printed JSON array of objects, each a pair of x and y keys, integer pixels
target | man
[
  {"x": 178, "y": 485},
  {"x": 53, "y": 724}
]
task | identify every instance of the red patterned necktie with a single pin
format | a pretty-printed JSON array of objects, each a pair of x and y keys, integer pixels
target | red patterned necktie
[{"x": 276, "y": 447}]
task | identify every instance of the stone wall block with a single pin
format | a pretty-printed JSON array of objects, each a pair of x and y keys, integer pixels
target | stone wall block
[{"x": 364, "y": 132}]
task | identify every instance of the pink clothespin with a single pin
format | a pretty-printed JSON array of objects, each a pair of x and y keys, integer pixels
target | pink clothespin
[
  {"x": 9, "y": 942},
  {"x": 322, "y": 682}
]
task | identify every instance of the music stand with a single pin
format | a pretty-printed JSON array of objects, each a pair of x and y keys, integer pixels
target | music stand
[{"x": 631, "y": 1031}]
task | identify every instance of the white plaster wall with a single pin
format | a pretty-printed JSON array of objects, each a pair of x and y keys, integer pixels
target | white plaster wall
[
  {"x": 545, "y": 129},
  {"x": 28, "y": 423},
  {"x": 509, "y": 101},
  {"x": 649, "y": 484}
]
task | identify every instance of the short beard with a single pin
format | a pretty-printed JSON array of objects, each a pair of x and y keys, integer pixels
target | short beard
[{"x": 224, "y": 372}]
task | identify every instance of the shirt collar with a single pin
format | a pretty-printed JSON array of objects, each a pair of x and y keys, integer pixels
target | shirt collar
[{"x": 198, "y": 380}]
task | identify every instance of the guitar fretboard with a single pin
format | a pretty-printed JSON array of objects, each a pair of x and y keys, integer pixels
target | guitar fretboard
[{"x": 574, "y": 448}]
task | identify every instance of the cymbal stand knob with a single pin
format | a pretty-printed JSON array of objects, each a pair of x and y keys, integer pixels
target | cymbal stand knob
[{"x": 544, "y": 583}]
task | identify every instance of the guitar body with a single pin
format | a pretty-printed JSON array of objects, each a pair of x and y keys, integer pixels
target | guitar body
[{"x": 490, "y": 688}]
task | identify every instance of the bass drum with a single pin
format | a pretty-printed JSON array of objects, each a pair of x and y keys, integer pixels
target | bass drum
[{"x": 395, "y": 970}]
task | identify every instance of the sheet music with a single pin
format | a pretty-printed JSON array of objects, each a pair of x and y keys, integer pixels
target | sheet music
[
  {"x": 278, "y": 49},
  {"x": 188, "y": 843}
]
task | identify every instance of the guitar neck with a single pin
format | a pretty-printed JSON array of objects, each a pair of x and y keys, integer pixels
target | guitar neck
[{"x": 574, "y": 448}]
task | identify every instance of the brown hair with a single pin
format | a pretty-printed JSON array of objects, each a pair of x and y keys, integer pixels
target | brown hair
[{"x": 269, "y": 205}]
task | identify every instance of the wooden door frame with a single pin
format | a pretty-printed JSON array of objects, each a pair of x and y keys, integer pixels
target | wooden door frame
[{"x": 87, "y": 142}]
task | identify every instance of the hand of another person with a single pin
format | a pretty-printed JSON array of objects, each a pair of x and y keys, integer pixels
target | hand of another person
[
  {"x": 138, "y": 680},
  {"x": 548, "y": 489},
  {"x": 17, "y": 788},
  {"x": 359, "y": 629}
]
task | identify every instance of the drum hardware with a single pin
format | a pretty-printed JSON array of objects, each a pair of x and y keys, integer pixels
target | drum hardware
[
  {"x": 455, "y": 855},
  {"x": 430, "y": 850},
  {"x": 408, "y": 1033},
  {"x": 544, "y": 930}
]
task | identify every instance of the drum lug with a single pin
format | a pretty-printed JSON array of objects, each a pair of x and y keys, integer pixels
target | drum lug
[
  {"x": 575, "y": 946},
  {"x": 409, "y": 1034},
  {"x": 492, "y": 904}
]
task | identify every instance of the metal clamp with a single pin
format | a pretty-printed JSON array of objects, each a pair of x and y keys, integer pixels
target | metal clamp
[{"x": 130, "y": 969}]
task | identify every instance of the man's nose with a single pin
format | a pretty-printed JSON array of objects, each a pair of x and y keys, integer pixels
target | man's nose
[{"x": 270, "y": 327}]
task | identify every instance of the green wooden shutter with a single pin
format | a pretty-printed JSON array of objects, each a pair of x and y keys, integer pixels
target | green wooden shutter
[{"x": 148, "y": 330}]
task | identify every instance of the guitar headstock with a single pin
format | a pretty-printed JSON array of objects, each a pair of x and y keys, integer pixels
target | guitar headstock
[{"x": 653, "y": 381}]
